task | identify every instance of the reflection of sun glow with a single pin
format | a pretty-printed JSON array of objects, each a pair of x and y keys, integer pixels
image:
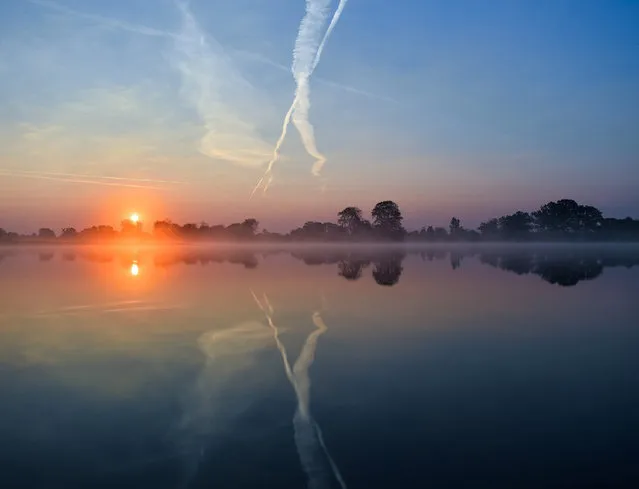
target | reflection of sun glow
[
  {"x": 134, "y": 218},
  {"x": 135, "y": 269}
]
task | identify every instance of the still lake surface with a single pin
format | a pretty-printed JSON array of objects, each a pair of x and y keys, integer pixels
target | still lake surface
[{"x": 447, "y": 367}]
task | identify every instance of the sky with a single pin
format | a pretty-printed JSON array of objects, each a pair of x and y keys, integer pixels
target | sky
[{"x": 173, "y": 109}]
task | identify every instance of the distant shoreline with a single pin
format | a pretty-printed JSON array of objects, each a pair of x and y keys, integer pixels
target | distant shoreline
[
  {"x": 308, "y": 243},
  {"x": 563, "y": 221}
]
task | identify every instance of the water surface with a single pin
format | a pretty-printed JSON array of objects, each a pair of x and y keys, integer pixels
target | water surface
[{"x": 447, "y": 367}]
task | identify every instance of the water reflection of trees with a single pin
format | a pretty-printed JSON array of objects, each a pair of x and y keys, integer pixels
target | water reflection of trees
[
  {"x": 559, "y": 266},
  {"x": 351, "y": 263},
  {"x": 352, "y": 269},
  {"x": 556, "y": 265},
  {"x": 388, "y": 269},
  {"x": 246, "y": 258}
]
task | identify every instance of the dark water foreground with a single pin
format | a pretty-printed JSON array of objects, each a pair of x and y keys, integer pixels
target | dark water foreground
[{"x": 462, "y": 367}]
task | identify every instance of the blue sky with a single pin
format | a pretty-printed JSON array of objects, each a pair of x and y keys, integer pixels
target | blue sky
[{"x": 470, "y": 108}]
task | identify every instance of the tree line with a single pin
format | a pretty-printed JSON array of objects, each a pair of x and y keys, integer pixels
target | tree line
[{"x": 563, "y": 220}]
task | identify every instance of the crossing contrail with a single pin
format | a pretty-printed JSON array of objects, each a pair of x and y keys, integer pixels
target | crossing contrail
[
  {"x": 307, "y": 53},
  {"x": 145, "y": 30},
  {"x": 320, "y": 468}
]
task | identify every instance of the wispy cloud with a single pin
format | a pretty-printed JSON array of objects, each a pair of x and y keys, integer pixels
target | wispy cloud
[
  {"x": 130, "y": 135},
  {"x": 154, "y": 32},
  {"x": 228, "y": 354},
  {"x": 227, "y": 104},
  {"x": 102, "y": 20}
]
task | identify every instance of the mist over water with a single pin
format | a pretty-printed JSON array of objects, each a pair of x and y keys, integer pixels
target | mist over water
[{"x": 319, "y": 366}]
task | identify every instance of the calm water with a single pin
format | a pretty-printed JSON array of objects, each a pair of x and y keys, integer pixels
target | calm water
[{"x": 484, "y": 367}]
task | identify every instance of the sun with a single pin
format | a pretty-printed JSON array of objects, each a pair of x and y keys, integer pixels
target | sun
[
  {"x": 135, "y": 269},
  {"x": 134, "y": 218}
]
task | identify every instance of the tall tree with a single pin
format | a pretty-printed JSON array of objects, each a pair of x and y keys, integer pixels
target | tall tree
[
  {"x": 516, "y": 226},
  {"x": 567, "y": 217},
  {"x": 455, "y": 227},
  {"x": 350, "y": 219},
  {"x": 387, "y": 219},
  {"x": 69, "y": 233},
  {"x": 489, "y": 228},
  {"x": 251, "y": 225}
]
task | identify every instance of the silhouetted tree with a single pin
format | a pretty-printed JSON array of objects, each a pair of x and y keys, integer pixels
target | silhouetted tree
[
  {"x": 440, "y": 234},
  {"x": 69, "y": 233},
  {"x": 46, "y": 233},
  {"x": 516, "y": 226},
  {"x": 251, "y": 225},
  {"x": 99, "y": 232},
  {"x": 130, "y": 227},
  {"x": 318, "y": 231},
  {"x": 566, "y": 217},
  {"x": 218, "y": 231},
  {"x": 489, "y": 229},
  {"x": 244, "y": 230},
  {"x": 590, "y": 219},
  {"x": 190, "y": 230},
  {"x": 350, "y": 219},
  {"x": 3, "y": 234},
  {"x": 165, "y": 229},
  {"x": 387, "y": 219},
  {"x": 621, "y": 229},
  {"x": 455, "y": 227}
]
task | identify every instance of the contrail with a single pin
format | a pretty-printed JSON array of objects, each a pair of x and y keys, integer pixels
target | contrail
[
  {"x": 221, "y": 96},
  {"x": 317, "y": 463},
  {"x": 307, "y": 53},
  {"x": 86, "y": 307},
  {"x": 260, "y": 58},
  {"x": 41, "y": 176},
  {"x": 97, "y": 177},
  {"x": 115, "y": 307},
  {"x": 154, "y": 32}
]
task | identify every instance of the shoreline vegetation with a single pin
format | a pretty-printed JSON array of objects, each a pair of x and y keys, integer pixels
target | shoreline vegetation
[{"x": 562, "y": 221}]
